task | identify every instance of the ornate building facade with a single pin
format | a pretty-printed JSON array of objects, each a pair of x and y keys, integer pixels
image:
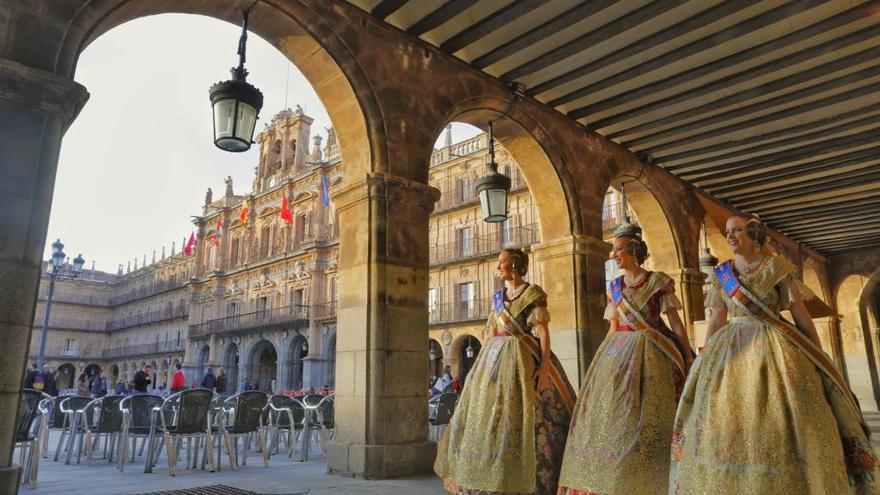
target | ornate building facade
[{"x": 257, "y": 294}]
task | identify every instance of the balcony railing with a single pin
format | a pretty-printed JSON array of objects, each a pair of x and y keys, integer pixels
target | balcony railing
[
  {"x": 83, "y": 352},
  {"x": 285, "y": 315},
  {"x": 140, "y": 350},
  {"x": 484, "y": 245},
  {"x": 69, "y": 323},
  {"x": 477, "y": 309},
  {"x": 454, "y": 198},
  {"x": 146, "y": 318},
  {"x": 88, "y": 300},
  {"x": 142, "y": 292},
  {"x": 324, "y": 311},
  {"x": 613, "y": 214}
]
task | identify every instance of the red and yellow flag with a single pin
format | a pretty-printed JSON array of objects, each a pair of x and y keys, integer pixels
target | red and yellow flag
[{"x": 244, "y": 212}]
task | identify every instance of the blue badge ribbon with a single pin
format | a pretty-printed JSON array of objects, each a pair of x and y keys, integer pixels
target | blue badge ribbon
[
  {"x": 726, "y": 277},
  {"x": 616, "y": 290},
  {"x": 498, "y": 301}
]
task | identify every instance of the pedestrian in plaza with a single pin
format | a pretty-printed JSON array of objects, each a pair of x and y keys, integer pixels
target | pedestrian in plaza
[
  {"x": 142, "y": 379},
  {"x": 209, "y": 381},
  {"x": 120, "y": 387},
  {"x": 444, "y": 382},
  {"x": 82, "y": 386},
  {"x": 34, "y": 378},
  {"x": 50, "y": 384},
  {"x": 221, "y": 381},
  {"x": 508, "y": 431},
  {"x": 765, "y": 410},
  {"x": 621, "y": 428},
  {"x": 99, "y": 385},
  {"x": 178, "y": 381}
]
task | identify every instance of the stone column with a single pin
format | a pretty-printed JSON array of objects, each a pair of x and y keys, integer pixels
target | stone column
[
  {"x": 689, "y": 283},
  {"x": 573, "y": 275},
  {"x": 36, "y": 108},
  {"x": 282, "y": 376},
  {"x": 381, "y": 349}
]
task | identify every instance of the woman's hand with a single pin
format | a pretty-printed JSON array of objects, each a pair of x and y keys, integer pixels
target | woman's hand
[{"x": 544, "y": 380}]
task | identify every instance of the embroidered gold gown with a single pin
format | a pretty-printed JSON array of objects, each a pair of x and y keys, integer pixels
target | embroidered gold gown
[
  {"x": 622, "y": 423},
  {"x": 505, "y": 437},
  {"x": 757, "y": 417}
]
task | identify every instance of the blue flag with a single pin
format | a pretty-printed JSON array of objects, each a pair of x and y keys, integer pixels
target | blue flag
[{"x": 325, "y": 190}]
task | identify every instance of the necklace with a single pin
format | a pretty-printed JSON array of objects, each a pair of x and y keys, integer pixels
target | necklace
[
  {"x": 639, "y": 279},
  {"x": 749, "y": 268},
  {"x": 514, "y": 293}
]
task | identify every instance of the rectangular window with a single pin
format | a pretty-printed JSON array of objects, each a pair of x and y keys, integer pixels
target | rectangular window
[
  {"x": 206, "y": 313},
  {"x": 433, "y": 302},
  {"x": 465, "y": 189},
  {"x": 178, "y": 338},
  {"x": 233, "y": 251},
  {"x": 465, "y": 242},
  {"x": 507, "y": 232},
  {"x": 264, "y": 242},
  {"x": 465, "y": 303},
  {"x": 72, "y": 345}
]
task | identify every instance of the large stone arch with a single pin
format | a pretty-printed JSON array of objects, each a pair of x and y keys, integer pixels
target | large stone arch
[
  {"x": 855, "y": 335},
  {"x": 261, "y": 363}
]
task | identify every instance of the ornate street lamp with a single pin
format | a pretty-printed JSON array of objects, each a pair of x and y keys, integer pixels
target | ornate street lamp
[
  {"x": 707, "y": 260},
  {"x": 236, "y": 104},
  {"x": 432, "y": 354},
  {"x": 469, "y": 351},
  {"x": 55, "y": 265},
  {"x": 493, "y": 188}
]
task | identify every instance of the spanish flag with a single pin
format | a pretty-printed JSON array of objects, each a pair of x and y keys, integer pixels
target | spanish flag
[{"x": 244, "y": 212}]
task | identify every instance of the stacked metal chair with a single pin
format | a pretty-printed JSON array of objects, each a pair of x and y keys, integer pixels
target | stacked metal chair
[
  {"x": 244, "y": 417},
  {"x": 184, "y": 415},
  {"x": 137, "y": 411},
  {"x": 287, "y": 415},
  {"x": 33, "y": 412}
]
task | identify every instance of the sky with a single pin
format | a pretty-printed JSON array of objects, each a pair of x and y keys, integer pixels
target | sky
[{"x": 137, "y": 161}]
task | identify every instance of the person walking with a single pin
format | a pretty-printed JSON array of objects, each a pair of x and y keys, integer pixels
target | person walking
[
  {"x": 221, "y": 381},
  {"x": 178, "y": 380},
  {"x": 99, "y": 385},
  {"x": 620, "y": 432},
  {"x": 120, "y": 387},
  {"x": 82, "y": 385},
  {"x": 508, "y": 431},
  {"x": 50, "y": 385},
  {"x": 764, "y": 409},
  {"x": 142, "y": 379},
  {"x": 209, "y": 381}
]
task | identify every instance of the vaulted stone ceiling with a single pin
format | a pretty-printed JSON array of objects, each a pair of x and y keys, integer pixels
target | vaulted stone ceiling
[{"x": 771, "y": 106}]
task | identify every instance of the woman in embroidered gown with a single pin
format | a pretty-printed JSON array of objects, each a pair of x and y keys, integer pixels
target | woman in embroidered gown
[
  {"x": 622, "y": 422},
  {"x": 764, "y": 410},
  {"x": 510, "y": 424}
]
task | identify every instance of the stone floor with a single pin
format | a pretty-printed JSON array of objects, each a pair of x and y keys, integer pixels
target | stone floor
[{"x": 282, "y": 477}]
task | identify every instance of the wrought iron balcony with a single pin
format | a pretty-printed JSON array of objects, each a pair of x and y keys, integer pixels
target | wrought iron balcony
[
  {"x": 324, "y": 311},
  {"x": 140, "y": 350},
  {"x": 484, "y": 245},
  {"x": 286, "y": 316},
  {"x": 146, "y": 291},
  {"x": 475, "y": 310},
  {"x": 147, "y": 318}
]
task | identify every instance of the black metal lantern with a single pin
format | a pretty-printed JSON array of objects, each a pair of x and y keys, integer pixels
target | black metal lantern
[
  {"x": 493, "y": 188},
  {"x": 236, "y": 104}
]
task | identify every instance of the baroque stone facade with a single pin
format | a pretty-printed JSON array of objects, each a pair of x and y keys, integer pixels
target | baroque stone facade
[{"x": 258, "y": 297}]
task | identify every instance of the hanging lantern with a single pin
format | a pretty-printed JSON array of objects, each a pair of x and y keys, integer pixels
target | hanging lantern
[
  {"x": 469, "y": 351},
  {"x": 493, "y": 188},
  {"x": 236, "y": 104}
]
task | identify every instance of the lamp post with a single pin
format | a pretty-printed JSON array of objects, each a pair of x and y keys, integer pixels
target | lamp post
[
  {"x": 493, "y": 188},
  {"x": 236, "y": 104},
  {"x": 55, "y": 265}
]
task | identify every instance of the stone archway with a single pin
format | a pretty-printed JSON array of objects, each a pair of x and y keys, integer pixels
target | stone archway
[
  {"x": 329, "y": 354},
  {"x": 860, "y": 367},
  {"x": 230, "y": 363},
  {"x": 203, "y": 356},
  {"x": 299, "y": 349},
  {"x": 435, "y": 359},
  {"x": 262, "y": 364},
  {"x": 66, "y": 376}
]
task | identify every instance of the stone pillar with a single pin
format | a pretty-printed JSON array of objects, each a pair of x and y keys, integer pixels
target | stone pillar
[
  {"x": 381, "y": 349},
  {"x": 573, "y": 275},
  {"x": 283, "y": 376},
  {"x": 689, "y": 283},
  {"x": 36, "y": 108}
]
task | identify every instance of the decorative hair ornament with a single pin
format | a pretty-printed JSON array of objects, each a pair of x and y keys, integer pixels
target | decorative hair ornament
[{"x": 756, "y": 229}]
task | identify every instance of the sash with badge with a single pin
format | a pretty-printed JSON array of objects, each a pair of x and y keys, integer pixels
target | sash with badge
[
  {"x": 639, "y": 323},
  {"x": 510, "y": 324},
  {"x": 750, "y": 303}
]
